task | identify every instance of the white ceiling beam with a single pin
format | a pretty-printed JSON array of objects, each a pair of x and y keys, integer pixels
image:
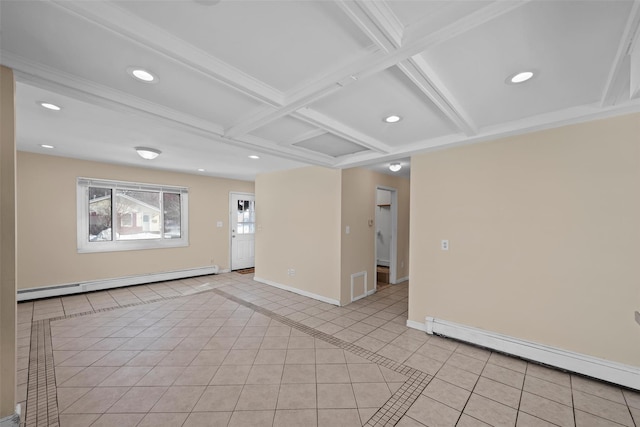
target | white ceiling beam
[
  {"x": 36, "y": 75},
  {"x": 335, "y": 127},
  {"x": 423, "y": 76},
  {"x": 620, "y": 67},
  {"x": 375, "y": 61},
  {"x": 377, "y": 21},
  {"x": 268, "y": 115},
  {"x": 115, "y": 19},
  {"x": 88, "y": 91}
]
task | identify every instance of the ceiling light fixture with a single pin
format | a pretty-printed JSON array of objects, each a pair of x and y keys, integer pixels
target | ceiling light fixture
[
  {"x": 392, "y": 119},
  {"x": 395, "y": 167},
  {"x": 47, "y": 146},
  {"x": 49, "y": 106},
  {"x": 520, "y": 77},
  {"x": 254, "y": 157},
  {"x": 200, "y": 170},
  {"x": 148, "y": 153},
  {"x": 142, "y": 75}
]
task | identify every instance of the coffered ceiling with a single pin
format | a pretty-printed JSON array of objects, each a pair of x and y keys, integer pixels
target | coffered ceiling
[{"x": 309, "y": 82}]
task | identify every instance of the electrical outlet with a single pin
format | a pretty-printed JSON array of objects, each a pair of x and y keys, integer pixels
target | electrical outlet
[
  {"x": 444, "y": 245},
  {"x": 291, "y": 272}
]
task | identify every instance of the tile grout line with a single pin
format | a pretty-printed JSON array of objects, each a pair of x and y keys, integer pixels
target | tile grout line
[
  {"x": 41, "y": 407},
  {"x": 399, "y": 402}
]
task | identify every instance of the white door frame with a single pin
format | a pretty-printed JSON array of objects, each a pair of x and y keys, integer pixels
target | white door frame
[
  {"x": 393, "y": 267},
  {"x": 231, "y": 194}
]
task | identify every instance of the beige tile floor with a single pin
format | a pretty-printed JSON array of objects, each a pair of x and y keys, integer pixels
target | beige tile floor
[{"x": 227, "y": 351}]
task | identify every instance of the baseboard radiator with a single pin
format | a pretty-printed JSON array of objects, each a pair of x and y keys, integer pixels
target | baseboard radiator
[
  {"x": 117, "y": 282},
  {"x": 606, "y": 370}
]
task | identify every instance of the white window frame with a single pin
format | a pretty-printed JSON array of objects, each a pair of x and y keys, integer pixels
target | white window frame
[{"x": 86, "y": 246}]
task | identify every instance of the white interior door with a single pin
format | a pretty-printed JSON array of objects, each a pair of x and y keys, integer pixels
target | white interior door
[{"x": 243, "y": 230}]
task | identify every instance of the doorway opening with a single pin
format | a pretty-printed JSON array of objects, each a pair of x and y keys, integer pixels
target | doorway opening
[{"x": 386, "y": 242}]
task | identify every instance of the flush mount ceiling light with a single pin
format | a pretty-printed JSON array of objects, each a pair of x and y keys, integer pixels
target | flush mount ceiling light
[
  {"x": 520, "y": 77},
  {"x": 254, "y": 157},
  {"x": 148, "y": 153},
  {"x": 49, "y": 106},
  {"x": 395, "y": 167},
  {"x": 200, "y": 170},
  {"x": 392, "y": 119},
  {"x": 47, "y": 146},
  {"x": 142, "y": 75}
]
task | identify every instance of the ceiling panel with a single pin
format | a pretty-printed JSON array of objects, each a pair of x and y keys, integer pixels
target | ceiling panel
[
  {"x": 570, "y": 45},
  {"x": 363, "y": 106},
  {"x": 90, "y": 132},
  {"x": 434, "y": 14},
  {"x": 331, "y": 145},
  {"x": 282, "y": 43},
  {"x": 284, "y": 130},
  {"x": 48, "y": 35}
]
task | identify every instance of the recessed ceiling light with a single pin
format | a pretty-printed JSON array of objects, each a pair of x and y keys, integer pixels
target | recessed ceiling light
[
  {"x": 520, "y": 77},
  {"x": 395, "y": 167},
  {"x": 254, "y": 157},
  {"x": 47, "y": 146},
  {"x": 142, "y": 75},
  {"x": 148, "y": 153},
  {"x": 392, "y": 119},
  {"x": 200, "y": 170},
  {"x": 49, "y": 106}
]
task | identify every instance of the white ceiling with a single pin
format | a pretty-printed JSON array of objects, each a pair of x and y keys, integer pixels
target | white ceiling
[{"x": 309, "y": 82}]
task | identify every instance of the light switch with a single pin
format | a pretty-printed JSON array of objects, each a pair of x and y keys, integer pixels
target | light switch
[
  {"x": 219, "y": 224},
  {"x": 444, "y": 245},
  {"x": 347, "y": 229}
]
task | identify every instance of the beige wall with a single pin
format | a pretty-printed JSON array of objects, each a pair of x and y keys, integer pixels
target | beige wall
[
  {"x": 298, "y": 227},
  {"x": 358, "y": 207},
  {"x": 544, "y": 234},
  {"x": 7, "y": 244},
  {"x": 47, "y": 249}
]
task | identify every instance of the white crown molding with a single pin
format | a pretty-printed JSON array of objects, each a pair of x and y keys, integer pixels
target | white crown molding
[
  {"x": 112, "y": 17},
  {"x": 617, "y": 373},
  {"x": 620, "y": 71},
  {"x": 423, "y": 76},
  {"x": 337, "y": 128}
]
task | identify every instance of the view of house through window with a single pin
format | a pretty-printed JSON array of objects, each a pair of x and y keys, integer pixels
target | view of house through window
[{"x": 120, "y": 212}]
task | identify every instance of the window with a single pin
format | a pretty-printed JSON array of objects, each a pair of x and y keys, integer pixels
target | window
[{"x": 120, "y": 216}]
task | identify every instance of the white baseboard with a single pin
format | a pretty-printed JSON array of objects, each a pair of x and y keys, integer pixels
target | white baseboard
[
  {"x": 400, "y": 280},
  {"x": 416, "y": 325},
  {"x": 297, "y": 291},
  {"x": 617, "y": 373},
  {"x": 117, "y": 282}
]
